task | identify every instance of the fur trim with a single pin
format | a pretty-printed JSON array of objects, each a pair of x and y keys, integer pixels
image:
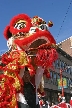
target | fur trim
[
  {"x": 10, "y": 42},
  {"x": 7, "y": 33},
  {"x": 16, "y": 19}
]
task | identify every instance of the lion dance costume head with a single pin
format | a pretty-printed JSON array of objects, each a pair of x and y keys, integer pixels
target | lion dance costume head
[{"x": 30, "y": 45}]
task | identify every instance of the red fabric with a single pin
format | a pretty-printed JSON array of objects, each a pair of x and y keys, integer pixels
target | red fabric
[
  {"x": 62, "y": 105},
  {"x": 46, "y": 57},
  {"x": 6, "y": 59},
  {"x": 1, "y": 68},
  {"x": 59, "y": 99},
  {"x": 55, "y": 107},
  {"x": 71, "y": 102},
  {"x": 7, "y": 92}
]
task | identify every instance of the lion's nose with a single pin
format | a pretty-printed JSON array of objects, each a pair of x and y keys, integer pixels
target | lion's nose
[{"x": 33, "y": 30}]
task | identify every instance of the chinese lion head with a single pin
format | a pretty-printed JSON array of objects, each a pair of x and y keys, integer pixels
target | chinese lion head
[
  {"x": 28, "y": 32},
  {"x": 31, "y": 34}
]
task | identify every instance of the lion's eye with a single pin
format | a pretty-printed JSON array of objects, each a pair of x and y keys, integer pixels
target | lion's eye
[
  {"x": 43, "y": 27},
  {"x": 20, "y": 25},
  {"x": 34, "y": 30}
]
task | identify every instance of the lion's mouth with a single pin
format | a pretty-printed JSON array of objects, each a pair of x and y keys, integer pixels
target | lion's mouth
[
  {"x": 37, "y": 43},
  {"x": 35, "y": 40}
]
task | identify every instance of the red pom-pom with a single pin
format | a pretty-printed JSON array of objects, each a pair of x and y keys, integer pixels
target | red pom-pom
[
  {"x": 7, "y": 33},
  {"x": 50, "y": 23},
  {"x": 46, "y": 57}
]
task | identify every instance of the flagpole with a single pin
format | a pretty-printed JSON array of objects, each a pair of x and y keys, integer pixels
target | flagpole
[
  {"x": 62, "y": 82},
  {"x": 62, "y": 89}
]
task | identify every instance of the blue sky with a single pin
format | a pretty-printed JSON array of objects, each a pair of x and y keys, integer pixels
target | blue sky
[{"x": 54, "y": 10}]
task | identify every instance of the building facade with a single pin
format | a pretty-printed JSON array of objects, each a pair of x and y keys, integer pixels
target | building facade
[
  {"x": 66, "y": 45},
  {"x": 64, "y": 62}
]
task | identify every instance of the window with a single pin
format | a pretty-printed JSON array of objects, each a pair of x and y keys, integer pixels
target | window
[
  {"x": 58, "y": 76},
  {"x": 48, "y": 96},
  {"x": 68, "y": 98},
  {"x": 45, "y": 80},
  {"x": 69, "y": 70},
  {"x": 53, "y": 96},
  {"x": 54, "y": 78},
  {"x": 54, "y": 75},
  {"x": 71, "y": 81},
  {"x": 51, "y": 74},
  {"x": 62, "y": 65},
  {"x": 56, "y": 97},
  {"x": 57, "y": 64},
  {"x": 68, "y": 81},
  {"x": 65, "y": 67}
]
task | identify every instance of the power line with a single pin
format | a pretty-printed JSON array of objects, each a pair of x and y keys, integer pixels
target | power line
[
  {"x": 64, "y": 18},
  {"x": 2, "y": 51}
]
